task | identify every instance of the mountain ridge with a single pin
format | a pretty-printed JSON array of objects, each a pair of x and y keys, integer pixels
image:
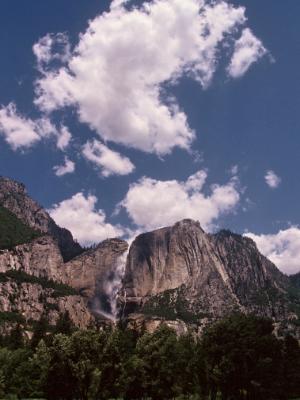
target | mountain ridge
[
  {"x": 179, "y": 275},
  {"x": 14, "y": 197}
]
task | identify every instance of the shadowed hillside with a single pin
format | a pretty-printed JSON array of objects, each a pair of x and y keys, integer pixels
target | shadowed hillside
[{"x": 13, "y": 231}]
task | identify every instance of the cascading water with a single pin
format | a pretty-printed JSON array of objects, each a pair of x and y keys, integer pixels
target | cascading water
[{"x": 105, "y": 304}]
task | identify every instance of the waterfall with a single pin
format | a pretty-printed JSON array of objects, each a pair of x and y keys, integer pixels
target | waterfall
[
  {"x": 113, "y": 287},
  {"x": 105, "y": 303}
]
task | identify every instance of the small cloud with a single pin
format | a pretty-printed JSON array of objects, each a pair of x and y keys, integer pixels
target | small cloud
[
  {"x": 21, "y": 132},
  {"x": 282, "y": 248},
  {"x": 197, "y": 156},
  {"x": 234, "y": 170},
  {"x": 248, "y": 204},
  {"x": 51, "y": 47},
  {"x": 87, "y": 223},
  {"x": 247, "y": 51},
  {"x": 63, "y": 138},
  {"x": 67, "y": 168},
  {"x": 110, "y": 162},
  {"x": 118, "y": 3},
  {"x": 272, "y": 180}
]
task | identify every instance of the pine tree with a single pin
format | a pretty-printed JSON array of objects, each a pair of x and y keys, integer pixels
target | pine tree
[
  {"x": 15, "y": 338},
  {"x": 39, "y": 332},
  {"x": 64, "y": 324}
]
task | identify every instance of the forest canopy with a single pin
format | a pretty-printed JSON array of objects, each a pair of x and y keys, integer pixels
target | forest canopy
[{"x": 236, "y": 358}]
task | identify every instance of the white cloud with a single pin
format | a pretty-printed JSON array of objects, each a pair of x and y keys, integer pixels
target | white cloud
[
  {"x": 21, "y": 132},
  {"x": 114, "y": 76},
  {"x": 110, "y": 162},
  {"x": 234, "y": 169},
  {"x": 272, "y": 180},
  {"x": 248, "y": 50},
  {"x": 152, "y": 203},
  {"x": 63, "y": 138},
  {"x": 118, "y": 3},
  {"x": 50, "y": 48},
  {"x": 87, "y": 223},
  {"x": 67, "y": 168},
  {"x": 283, "y": 248}
]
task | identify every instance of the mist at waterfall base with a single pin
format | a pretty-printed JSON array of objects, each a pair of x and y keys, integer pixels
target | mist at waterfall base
[{"x": 105, "y": 302}]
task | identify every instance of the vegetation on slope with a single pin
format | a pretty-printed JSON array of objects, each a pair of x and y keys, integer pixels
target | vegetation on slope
[
  {"x": 13, "y": 231},
  {"x": 11, "y": 317},
  {"x": 171, "y": 305},
  {"x": 59, "y": 289}
]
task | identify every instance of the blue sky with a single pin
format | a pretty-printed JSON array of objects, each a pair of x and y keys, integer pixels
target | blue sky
[{"x": 116, "y": 91}]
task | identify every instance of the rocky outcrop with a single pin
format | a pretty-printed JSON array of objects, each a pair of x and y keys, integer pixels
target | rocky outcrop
[
  {"x": 14, "y": 197},
  {"x": 142, "y": 323},
  {"x": 247, "y": 269},
  {"x": 32, "y": 285},
  {"x": 40, "y": 258},
  {"x": 252, "y": 276},
  {"x": 96, "y": 274},
  {"x": 91, "y": 275},
  {"x": 28, "y": 302},
  {"x": 181, "y": 273}
]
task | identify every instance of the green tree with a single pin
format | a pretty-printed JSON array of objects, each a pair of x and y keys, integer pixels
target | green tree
[
  {"x": 291, "y": 377},
  {"x": 189, "y": 367},
  {"x": 75, "y": 365},
  {"x": 119, "y": 347},
  {"x": 38, "y": 369},
  {"x": 64, "y": 324},
  {"x": 10, "y": 361},
  {"x": 2, "y": 384},
  {"x": 15, "y": 340},
  {"x": 243, "y": 358},
  {"x": 158, "y": 352},
  {"x": 133, "y": 379},
  {"x": 39, "y": 332}
]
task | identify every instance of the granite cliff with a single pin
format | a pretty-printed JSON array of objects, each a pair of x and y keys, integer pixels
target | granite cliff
[{"x": 183, "y": 274}]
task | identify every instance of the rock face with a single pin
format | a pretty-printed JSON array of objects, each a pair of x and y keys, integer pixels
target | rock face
[
  {"x": 31, "y": 274},
  {"x": 34, "y": 277},
  {"x": 250, "y": 273},
  {"x": 13, "y": 196},
  {"x": 91, "y": 275},
  {"x": 177, "y": 257},
  {"x": 32, "y": 284},
  {"x": 94, "y": 272},
  {"x": 40, "y": 258},
  {"x": 29, "y": 301},
  {"x": 182, "y": 273}
]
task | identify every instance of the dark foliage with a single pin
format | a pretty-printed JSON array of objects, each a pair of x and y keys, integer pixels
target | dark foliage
[
  {"x": 8, "y": 316},
  {"x": 237, "y": 358},
  {"x": 59, "y": 289},
  {"x": 13, "y": 231}
]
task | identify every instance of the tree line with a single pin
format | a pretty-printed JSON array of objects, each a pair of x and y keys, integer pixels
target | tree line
[{"x": 237, "y": 358}]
